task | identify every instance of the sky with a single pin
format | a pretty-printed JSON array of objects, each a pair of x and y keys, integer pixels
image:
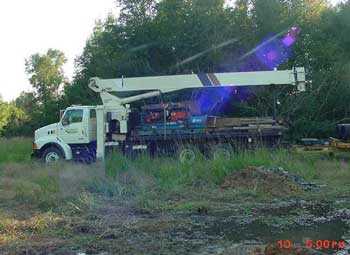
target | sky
[{"x": 31, "y": 26}]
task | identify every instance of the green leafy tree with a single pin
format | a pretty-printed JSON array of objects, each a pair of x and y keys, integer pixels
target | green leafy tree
[
  {"x": 46, "y": 76},
  {"x": 174, "y": 36},
  {"x": 11, "y": 119},
  {"x": 46, "y": 73},
  {"x": 28, "y": 103}
]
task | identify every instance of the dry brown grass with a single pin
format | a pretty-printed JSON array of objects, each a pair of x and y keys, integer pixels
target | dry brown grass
[
  {"x": 12, "y": 229},
  {"x": 36, "y": 197}
]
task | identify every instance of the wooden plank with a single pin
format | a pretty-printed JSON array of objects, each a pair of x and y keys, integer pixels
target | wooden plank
[
  {"x": 214, "y": 121},
  {"x": 255, "y": 128}
]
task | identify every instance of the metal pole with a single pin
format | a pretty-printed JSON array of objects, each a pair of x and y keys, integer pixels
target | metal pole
[
  {"x": 274, "y": 105},
  {"x": 101, "y": 133}
]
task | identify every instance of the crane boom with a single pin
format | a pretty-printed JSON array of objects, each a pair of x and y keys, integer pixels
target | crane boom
[{"x": 171, "y": 83}]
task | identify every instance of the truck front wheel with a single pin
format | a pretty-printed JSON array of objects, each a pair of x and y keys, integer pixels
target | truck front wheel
[{"x": 51, "y": 154}]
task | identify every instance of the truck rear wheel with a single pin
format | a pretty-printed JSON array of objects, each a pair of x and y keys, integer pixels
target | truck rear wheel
[
  {"x": 187, "y": 155},
  {"x": 222, "y": 151},
  {"x": 51, "y": 155}
]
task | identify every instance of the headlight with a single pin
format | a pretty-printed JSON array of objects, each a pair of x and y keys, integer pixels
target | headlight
[{"x": 34, "y": 146}]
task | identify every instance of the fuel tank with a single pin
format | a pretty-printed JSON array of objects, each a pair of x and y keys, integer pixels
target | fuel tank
[{"x": 343, "y": 131}]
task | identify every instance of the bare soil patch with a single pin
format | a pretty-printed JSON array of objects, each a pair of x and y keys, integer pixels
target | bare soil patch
[{"x": 261, "y": 180}]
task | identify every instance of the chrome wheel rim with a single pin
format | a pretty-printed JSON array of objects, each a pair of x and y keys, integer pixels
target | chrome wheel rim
[
  {"x": 187, "y": 156},
  {"x": 52, "y": 157},
  {"x": 221, "y": 154}
]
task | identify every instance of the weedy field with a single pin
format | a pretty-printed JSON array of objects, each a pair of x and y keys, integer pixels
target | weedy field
[{"x": 160, "y": 206}]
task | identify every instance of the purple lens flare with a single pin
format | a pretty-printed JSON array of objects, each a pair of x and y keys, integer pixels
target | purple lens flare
[
  {"x": 268, "y": 55},
  {"x": 290, "y": 38},
  {"x": 273, "y": 53}
]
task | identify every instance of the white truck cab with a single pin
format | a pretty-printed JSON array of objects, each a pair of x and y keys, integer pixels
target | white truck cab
[{"x": 73, "y": 137}]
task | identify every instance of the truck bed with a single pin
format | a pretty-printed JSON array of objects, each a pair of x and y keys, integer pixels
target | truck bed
[{"x": 210, "y": 127}]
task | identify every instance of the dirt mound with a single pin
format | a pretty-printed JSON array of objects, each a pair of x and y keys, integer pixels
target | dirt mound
[{"x": 261, "y": 180}]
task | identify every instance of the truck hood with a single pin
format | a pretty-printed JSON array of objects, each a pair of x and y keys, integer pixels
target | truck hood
[{"x": 49, "y": 130}]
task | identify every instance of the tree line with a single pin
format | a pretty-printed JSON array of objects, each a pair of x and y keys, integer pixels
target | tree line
[{"x": 152, "y": 37}]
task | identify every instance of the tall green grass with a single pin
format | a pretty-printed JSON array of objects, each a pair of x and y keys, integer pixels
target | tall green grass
[
  {"x": 50, "y": 186},
  {"x": 15, "y": 149},
  {"x": 169, "y": 172},
  {"x": 45, "y": 186},
  {"x": 156, "y": 183}
]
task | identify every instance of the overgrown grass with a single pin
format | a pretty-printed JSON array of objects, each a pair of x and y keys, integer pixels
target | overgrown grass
[
  {"x": 157, "y": 182},
  {"x": 15, "y": 150},
  {"x": 35, "y": 198},
  {"x": 169, "y": 172},
  {"x": 44, "y": 187},
  {"x": 143, "y": 178}
]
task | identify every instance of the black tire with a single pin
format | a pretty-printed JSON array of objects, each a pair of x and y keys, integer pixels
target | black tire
[
  {"x": 187, "y": 154},
  {"x": 51, "y": 155},
  {"x": 221, "y": 152}
]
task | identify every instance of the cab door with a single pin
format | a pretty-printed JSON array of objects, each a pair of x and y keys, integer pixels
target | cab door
[{"x": 71, "y": 129}]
